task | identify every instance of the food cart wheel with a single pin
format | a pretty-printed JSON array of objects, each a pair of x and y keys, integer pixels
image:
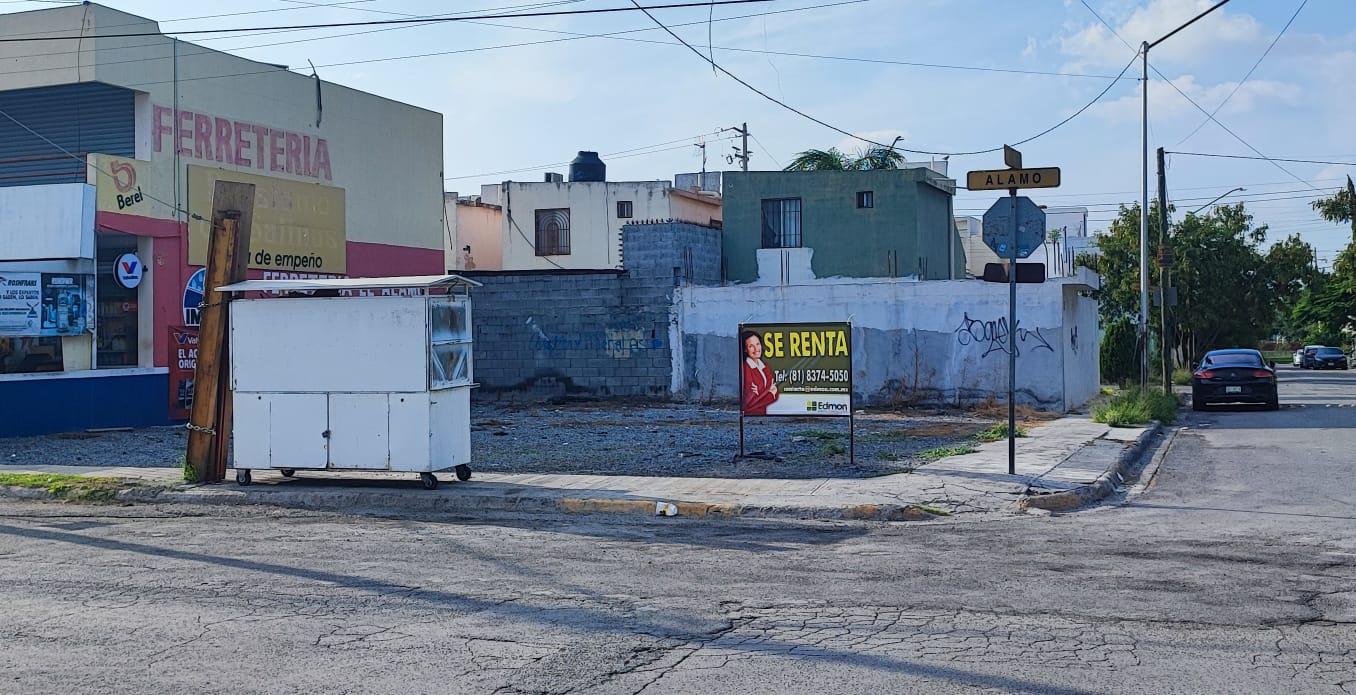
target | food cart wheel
[
  {"x": 430, "y": 481},
  {"x": 242, "y": 477},
  {"x": 288, "y": 472},
  {"x": 463, "y": 472}
]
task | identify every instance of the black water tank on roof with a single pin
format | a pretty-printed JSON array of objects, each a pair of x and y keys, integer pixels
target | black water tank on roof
[{"x": 588, "y": 167}]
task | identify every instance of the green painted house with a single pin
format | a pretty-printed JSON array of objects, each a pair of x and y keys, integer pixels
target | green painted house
[{"x": 888, "y": 223}]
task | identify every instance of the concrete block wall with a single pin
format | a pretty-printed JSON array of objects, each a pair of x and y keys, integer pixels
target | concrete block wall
[{"x": 542, "y": 334}]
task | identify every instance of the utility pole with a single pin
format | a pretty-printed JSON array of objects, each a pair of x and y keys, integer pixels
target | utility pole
[
  {"x": 742, "y": 152},
  {"x": 701, "y": 182},
  {"x": 1165, "y": 260}
]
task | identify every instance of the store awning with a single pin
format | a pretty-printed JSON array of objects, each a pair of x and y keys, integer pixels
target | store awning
[{"x": 387, "y": 283}]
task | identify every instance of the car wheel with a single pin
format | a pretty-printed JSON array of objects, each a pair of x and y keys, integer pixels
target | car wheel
[
  {"x": 1273, "y": 405},
  {"x": 1196, "y": 402}
]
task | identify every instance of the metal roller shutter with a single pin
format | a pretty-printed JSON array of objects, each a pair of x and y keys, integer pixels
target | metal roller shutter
[{"x": 82, "y": 118}]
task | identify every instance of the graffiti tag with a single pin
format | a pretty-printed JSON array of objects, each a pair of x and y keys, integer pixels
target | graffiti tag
[{"x": 994, "y": 335}]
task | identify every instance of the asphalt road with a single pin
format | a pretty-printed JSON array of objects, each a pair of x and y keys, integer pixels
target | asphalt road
[{"x": 1235, "y": 571}]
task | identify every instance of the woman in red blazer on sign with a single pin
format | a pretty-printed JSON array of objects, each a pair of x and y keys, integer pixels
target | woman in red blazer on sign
[{"x": 759, "y": 386}]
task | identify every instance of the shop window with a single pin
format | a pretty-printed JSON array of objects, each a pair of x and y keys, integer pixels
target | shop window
[
  {"x": 866, "y": 199},
  {"x": 553, "y": 232},
  {"x": 624, "y": 209},
  {"x": 781, "y": 223},
  {"x": 24, "y": 354}
]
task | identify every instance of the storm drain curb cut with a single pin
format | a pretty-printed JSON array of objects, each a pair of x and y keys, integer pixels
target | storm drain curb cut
[{"x": 1106, "y": 483}]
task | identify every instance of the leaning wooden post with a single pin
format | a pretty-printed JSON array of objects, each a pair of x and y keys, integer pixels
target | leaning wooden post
[{"x": 227, "y": 258}]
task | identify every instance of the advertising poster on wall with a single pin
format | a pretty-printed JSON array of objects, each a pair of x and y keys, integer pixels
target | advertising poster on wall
[
  {"x": 297, "y": 226},
  {"x": 183, "y": 345},
  {"x": 45, "y": 304},
  {"x": 802, "y": 369}
]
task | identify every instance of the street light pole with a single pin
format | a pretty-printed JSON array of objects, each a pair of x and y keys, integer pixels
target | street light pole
[
  {"x": 1144, "y": 200},
  {"x": 1144, "y": 231}
]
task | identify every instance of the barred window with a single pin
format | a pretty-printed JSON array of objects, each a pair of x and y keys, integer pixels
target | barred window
[
  {"x": 781, "y": 223},
  {"x": 553, "y": 232}
]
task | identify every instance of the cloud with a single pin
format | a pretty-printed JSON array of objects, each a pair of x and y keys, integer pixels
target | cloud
[
  {"x": 1166, "y": 104},
  {"x": 1092, "y": 45}
]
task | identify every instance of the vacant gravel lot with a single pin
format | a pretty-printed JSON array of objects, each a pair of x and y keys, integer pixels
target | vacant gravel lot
[{"x": 611, "y": 439}]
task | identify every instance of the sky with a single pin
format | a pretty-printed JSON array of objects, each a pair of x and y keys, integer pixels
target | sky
[{"x": 520, "y": 96}]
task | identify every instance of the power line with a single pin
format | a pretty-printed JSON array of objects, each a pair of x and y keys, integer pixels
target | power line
[
  {"x": 620, "y": 154},
  {"x": 839, "y": 130},
  {"x": 1170, "y": 83},
  {"x": 85, "y": 162},
  {"x": 1263, "y": 158},
  {"x": 1180, "y": 188},
  {"x": 272, "y": 70},
  {"x": 216, "y": 52},
  {"x": 382, "y": 22},
  {"x": 1238, "y": 86},
  {"x": 766, "y": 151}
]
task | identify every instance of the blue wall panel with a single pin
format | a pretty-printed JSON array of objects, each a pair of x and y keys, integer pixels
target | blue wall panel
[
  {"x": 45, "y": 406},
  {"x": 82, "y": 118}
]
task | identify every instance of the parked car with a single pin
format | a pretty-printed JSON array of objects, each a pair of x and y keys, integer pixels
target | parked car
[
  {"x": 1297, "y": 359},
  {"x": 1328, "y": 358},
  {"x": 1235, "y": 375},
  {"x": 1307, "y": 359}
]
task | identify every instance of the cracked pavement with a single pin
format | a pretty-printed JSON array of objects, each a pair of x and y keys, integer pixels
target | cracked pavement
[{"x": 1235, "y": 571}]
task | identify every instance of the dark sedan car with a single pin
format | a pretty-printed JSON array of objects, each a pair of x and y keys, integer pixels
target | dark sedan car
[
  {"x": 1234, "y": 376},
  {"x": 1328, "y": 358}
]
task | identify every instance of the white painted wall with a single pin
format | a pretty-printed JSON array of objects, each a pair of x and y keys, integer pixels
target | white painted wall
[
  {"x": 385, "y": 154},
  {"x": 595, "y": 229},
  {"x": 913, "y": 341},
  {"x": 47, "y": 222}
]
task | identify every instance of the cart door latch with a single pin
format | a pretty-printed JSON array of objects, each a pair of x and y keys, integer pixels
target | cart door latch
[{"x": 325, "y": 434}]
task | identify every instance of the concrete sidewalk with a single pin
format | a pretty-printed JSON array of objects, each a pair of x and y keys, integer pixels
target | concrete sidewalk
[{"x": 1063, "y": 455}]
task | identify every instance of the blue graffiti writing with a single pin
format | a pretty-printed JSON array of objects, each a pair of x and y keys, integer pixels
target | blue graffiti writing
[
  {"x": 613, "y": 343},
  {"x": 994, "y": 336}
]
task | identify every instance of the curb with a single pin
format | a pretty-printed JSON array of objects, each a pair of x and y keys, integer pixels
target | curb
[
  {"x": 1106, "y": 483},
  {"x": 369, "y": 501}
]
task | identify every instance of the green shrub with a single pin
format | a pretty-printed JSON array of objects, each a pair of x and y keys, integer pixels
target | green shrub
[
  {"x": 1136, "y": 407},
  {"x": 1118, "y": 352},
  {"x": 998, "y": 432},
  {"x": 1181, "y": 377}
]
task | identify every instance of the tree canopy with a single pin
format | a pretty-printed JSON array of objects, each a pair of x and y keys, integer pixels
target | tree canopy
[{"x": 833, "y": 159}]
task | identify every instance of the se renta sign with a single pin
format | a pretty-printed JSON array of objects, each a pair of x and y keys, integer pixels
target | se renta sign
[
  {"x": 800, "y": 369},
  {"x": 1004, "y": 179}
]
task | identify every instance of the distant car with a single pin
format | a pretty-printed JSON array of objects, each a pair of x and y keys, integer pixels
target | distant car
[
  {"x": 1328, "y": 358},
  {"x": 1297, "y": 359},
  {"x": 1307, "y": 359},
  {"x": 1234, "y": 376}
]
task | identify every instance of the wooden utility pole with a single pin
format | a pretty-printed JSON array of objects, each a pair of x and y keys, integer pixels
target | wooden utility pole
[
  {"x": 1165, "y": 260},
  {"x": 209, "y": 426}
]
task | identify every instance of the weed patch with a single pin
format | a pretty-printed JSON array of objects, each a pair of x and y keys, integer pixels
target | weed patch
[
  {"x": 77, "y": 488},
  {"x": 822, "y": 435},
  {"x": 942, "y": 452},
  {"x": 998, "y": 432},
  {"x": 1181, "y": 377},
  {"x": 1136, "y": 407}
]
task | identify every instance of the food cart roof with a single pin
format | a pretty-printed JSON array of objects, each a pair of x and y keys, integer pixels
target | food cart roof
[{"x": 403, "y": 281}]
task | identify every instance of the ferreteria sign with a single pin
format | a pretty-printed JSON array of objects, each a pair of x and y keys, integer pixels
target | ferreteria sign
[
  {"x": 795, "y": 369},
  {"x": 1003, "y": 179}
]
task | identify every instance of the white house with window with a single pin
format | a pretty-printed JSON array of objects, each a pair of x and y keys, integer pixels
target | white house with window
[{"x": 576, "y": 225}]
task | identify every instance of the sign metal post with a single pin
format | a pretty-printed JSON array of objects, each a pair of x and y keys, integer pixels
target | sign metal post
[{"x": 1013, "y": 237}]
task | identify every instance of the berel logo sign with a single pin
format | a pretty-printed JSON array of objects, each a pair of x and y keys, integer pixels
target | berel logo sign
[{"x": 128, "y": 270}]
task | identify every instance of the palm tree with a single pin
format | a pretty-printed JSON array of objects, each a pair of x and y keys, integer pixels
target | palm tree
[
  {"x": 873, "y": 158},
  {"x": 1056, "y": 255}
]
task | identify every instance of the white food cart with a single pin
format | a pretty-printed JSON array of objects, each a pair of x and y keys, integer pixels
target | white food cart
[{"x": 369, "y": 374}]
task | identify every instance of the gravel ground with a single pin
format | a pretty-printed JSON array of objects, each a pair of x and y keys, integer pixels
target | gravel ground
[{"x": 650, "y": 439}]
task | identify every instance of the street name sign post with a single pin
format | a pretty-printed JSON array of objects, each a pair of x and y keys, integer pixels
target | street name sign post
[{"x": 1013, "y": 228}]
